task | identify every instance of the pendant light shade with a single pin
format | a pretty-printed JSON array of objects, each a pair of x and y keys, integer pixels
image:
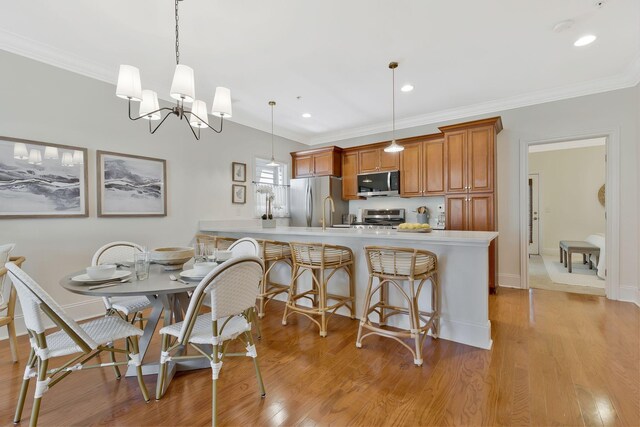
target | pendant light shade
[
  {"x": 199, "y": 109},
  {"x": 50, "y": 153},
  {"x": 148, "y": 105},
  {"x": 67, "y": 159},
  {"x": 20, "y": 151},
  {"x": 129, "y": 86},
  {"x": 394, "y": 147},
  {"x": 273, "y": 159},
  {"x": 221, "y": 102},
  {"x": 35, "y": 157},
  {"x": 183, "y": 85}
]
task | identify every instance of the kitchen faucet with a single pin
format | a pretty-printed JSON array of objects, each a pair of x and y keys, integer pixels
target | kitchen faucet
[{"x": 333, "y": 209}]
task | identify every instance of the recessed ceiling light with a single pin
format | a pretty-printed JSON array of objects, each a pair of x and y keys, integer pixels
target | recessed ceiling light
[
  {"x": 585, "y": 40},
  {"x": 407, "y": 88},
  {"x": 306, "y": 115}
]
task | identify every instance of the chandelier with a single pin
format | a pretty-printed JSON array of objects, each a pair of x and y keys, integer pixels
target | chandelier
[
  {"x": 182, "y": 90},
  {"x": 273, "y": 159},
  {"x": 394, "y": 147}
]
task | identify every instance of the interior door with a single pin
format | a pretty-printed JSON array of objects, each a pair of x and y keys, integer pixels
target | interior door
[{"x": 534, "y": 217}]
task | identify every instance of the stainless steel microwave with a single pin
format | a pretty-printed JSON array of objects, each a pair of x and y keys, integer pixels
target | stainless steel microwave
[{"x": 379, "y": 184}]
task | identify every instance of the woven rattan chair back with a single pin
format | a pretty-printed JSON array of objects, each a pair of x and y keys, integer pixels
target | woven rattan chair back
[
  {"x": 245, "y": 246},
  {"x": 115, "y": 252},
  {"x": 400, "y": 262},
  {"x": 233, "y": 287}
]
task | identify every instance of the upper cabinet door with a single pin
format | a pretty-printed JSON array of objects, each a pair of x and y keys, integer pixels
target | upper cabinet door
[
  {"x": 303, "y": 166},
  {"x": 411, "y": 168},
  {"x": 480, "y": 152},
  {"x": 369, "y": 160},
  {"x": 323, "y": 164},
  {"x": 434, "y": 175},
  {"x": 350, "y": 175},
  {"x": 389, "y": 161},
  {"x": 455, "y": 145}
]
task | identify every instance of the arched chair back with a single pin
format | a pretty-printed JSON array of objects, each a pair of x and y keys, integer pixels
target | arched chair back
[
  {"x": 115, "y": 252},
  {"x": 245, "y": 246}
]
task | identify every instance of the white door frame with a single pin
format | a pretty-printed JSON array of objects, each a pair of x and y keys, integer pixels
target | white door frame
[
  {"x": 612, "y": 205},
  {"x": 535, "y": 197}
]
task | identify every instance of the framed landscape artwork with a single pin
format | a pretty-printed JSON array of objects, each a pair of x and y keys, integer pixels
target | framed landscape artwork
[
  {"x": 239, "y": 194},
  {"x": 42, "y": 180},
  {"x": 239, "y": 172},
  {"x": 131, "y": 185}
]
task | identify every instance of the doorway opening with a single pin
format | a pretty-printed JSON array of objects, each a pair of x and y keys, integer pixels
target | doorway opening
[{"x": 566, "y": 228}]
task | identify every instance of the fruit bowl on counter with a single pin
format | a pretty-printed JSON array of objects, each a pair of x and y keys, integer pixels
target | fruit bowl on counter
[
  {"x": 414, "y": 227},
  {"x": 172, "y": 258}
]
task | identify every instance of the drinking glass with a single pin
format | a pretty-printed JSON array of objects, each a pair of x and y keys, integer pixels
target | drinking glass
[
  {"x": 141, "y": 263},
  {"x": 202, "y": 251}
]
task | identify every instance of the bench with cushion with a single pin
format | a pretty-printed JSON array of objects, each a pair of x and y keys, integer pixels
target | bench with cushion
[{"x": 569, "y": 247}]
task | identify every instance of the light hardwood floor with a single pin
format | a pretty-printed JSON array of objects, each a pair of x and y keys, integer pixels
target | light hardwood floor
[{"x": 557, "y": 359}]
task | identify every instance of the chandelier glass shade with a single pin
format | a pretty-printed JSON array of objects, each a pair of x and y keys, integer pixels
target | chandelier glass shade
[{"x": 129, "y": 87}]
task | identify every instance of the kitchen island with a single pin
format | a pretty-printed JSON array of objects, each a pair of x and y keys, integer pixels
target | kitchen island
[{"x": 462, "y": 262}]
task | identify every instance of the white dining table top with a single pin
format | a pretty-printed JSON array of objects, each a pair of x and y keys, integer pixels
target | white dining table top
[{"x": 157, "y": 283}]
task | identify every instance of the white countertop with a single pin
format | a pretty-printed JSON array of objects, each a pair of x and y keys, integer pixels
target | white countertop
[{"x": 472, "y": 238}]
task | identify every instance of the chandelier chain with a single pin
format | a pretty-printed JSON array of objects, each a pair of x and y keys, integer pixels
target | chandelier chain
[{"x": 177, "y": 36}]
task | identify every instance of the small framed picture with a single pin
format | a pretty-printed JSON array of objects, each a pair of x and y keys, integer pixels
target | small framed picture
[
  {"x": 239, "y": 194},
  {"x": 131, "y": 185},
  {"x": 239, "y": 172}
]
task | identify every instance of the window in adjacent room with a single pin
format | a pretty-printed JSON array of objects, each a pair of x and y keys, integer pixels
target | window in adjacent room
[{"x": 271, "y": 181}]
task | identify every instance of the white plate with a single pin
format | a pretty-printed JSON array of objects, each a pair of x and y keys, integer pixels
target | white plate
[
  {"x": 84, "y": 278},
  {"x": 192, "y": 275}
]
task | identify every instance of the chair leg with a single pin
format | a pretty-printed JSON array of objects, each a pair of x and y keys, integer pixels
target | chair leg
[
  {"x": 322, "y": 304},
  {"x": 263, "y": 393},
  {"x": 143, "y": 386},
  {"x": 255, "y": 320},
  {"x": 365, "y": 312},
  {"x": 352, "y": 289},
  {"x": 414, "y": 315},
  {"x": 13, "y": 340},
  {"x": 435, "y": 305},
  {"x": 162, "y": 372},
  {"x": 24, "y": 388},
  {"x": 112, "y": 356},
  {"x": 42, "y": 375},
  {"x": 214, "y": 385},
  {"x": 292, "y": 290}
]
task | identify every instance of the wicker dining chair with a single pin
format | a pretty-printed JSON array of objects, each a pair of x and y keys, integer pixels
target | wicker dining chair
[
  {"x": 218, "y": 242},
  {"x": 86, "y": 340},
  {"x": 232, "y": 288},
  {"x": 116, "y": 252},
  {"x": 8, "y": 301}
]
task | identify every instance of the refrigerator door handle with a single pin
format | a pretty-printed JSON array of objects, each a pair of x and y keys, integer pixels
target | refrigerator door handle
[{"x": 309, "y": 204}]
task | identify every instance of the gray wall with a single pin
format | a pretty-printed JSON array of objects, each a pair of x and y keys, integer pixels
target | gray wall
[
  {"x": 616, "y": 110},
  {"x": 44, "y": 103}
]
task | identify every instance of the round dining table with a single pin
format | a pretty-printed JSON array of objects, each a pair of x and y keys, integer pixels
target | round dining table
[{"x": 169, "y": 301}]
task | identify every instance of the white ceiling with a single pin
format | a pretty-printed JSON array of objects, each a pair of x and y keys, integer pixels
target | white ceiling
[{"x": 464, "y": 57}]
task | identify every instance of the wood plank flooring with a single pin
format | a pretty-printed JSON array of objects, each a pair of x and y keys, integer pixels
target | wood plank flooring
[{"x": 558, "y": 359}]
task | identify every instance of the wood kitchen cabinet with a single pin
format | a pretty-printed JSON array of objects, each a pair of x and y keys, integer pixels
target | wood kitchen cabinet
[
  {"x": 350, "y": 175},
  {"x": 422, "y": 171},
  {"x": 318, "y": 162},
  {"x": 375, "y": 159},
  {"x": 470, "y": 165}
]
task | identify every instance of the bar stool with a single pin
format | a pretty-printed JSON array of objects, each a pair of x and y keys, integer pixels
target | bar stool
[
  {"x": 273, "y": 253},
  {"x": 392, "y": 266},
  {"x": 218, "y": 242},
  {"x": 323, "y": 261}
]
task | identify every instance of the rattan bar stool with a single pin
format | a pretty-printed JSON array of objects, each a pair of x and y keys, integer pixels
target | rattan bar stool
[
  {"x": 323, "y": 261},
  {"x": 392, "y": 266},
  {"x": 273, "y": 253},
  {"x": 218, "y": 242}
]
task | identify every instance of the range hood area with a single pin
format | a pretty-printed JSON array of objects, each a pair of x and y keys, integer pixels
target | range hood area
[{"x": 379, "y": 184}]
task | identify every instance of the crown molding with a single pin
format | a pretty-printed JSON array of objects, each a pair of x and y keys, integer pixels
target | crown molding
[
  {"x": 629, "y": 78},
  {"x": 42, "y": 52}
]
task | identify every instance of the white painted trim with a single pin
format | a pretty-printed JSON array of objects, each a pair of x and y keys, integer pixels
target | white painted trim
[
  {"x": 509, "y": 280},
  {"x": 568, "y": 145},
  {"x": 612, "y": 205},
  {"x": 20, "y": 45},
  {"x": 78, "y": 311},
  {"x": 629, "y": 293}
]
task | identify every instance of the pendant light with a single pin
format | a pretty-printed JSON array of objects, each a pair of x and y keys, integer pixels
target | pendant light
[
  {"x": 273, "y": 160},
  {"x": 393, "y": 147}
]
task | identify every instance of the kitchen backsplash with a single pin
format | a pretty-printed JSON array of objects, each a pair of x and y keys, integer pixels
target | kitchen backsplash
[{"x": 409, "y": 204}]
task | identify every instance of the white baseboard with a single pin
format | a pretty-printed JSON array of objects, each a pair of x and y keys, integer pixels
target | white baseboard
[
  {"x": 78, "y": 311},
  {"x": 630, "y": 294},
  {"x": 466, "y": 333},
  {"x": 509, "y": 280}
]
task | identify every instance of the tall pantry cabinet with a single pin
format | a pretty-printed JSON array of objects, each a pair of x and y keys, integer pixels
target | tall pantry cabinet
[{"x": 471, "y": 190}]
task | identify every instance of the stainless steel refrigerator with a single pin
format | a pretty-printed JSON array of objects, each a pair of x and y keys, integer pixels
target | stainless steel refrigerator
[{"x": 307, "y": 196}]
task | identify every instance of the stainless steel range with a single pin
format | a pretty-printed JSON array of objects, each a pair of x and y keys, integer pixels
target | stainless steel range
[{"x": 380, "y": 219}]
